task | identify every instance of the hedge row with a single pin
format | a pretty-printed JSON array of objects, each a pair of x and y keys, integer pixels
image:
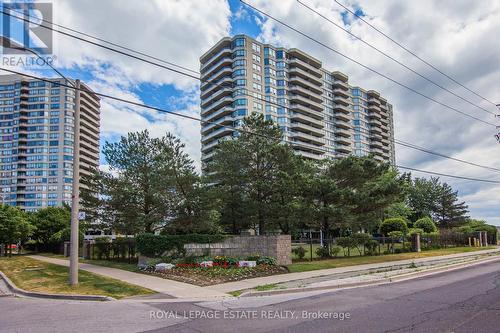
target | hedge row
[{"x": 151, "y": 245}]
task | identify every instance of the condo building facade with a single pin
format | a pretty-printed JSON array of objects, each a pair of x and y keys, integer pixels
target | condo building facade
[
  {"x": 36, "y": 140},
  {"x": 320, "y": 113}
]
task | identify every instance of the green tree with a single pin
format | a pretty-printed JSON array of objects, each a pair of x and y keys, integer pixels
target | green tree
[
  {"x": 259, "y": 169},
  {"x": 399, "y": 209},
  {"x": 327, "y": 202},
  {"x": 423, "y": 196},
  {"x": 151, "y": 184},
  {"x": 14, "y": 227},
  {"x": 48, "y": 222},
  {"x": 450, "y": 212},
  {"x": 394, "y": 224},
  {"x": 426, "y": 224}
]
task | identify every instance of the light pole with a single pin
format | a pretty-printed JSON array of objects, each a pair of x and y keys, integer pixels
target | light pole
[{"x": 75, "y": 197}]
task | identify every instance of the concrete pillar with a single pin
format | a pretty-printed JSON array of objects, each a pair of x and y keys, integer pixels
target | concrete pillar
[
  {"x": 67, "y": 247},
  {"x": 415, "y": 242}
]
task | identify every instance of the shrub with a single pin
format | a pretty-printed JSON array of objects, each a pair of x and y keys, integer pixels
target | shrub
[
  {"x": 103, "y": 245},
  {"x": 300, "y": 252},
  {"x": 394, "y": 224},
  {"x": 156, "y": 245},
  {"x": 334, "y": 251},
  {"x": 413, "y": 231},
  {"x": 396, "y": 234},
  {"x": 426, "y": 224},
  {"x": 371, "y": 247},
  {"x": 361, "y": 239},
  {"x": 323, "y": 252},
  {"x": 265, "y": 260},
  {"x": 347, "y": 243}
]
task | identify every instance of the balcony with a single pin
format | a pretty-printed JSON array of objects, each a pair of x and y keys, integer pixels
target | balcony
[
  {"x": 314, "y": 71},
  {"x": 212, "y": 86},
  {"x": 297, "y": 142},
  {"x": 319, "y": 141},
  {"x": 342, "y": 140},
  {"x": 308, "y": 128},
  {"x": 340, "y": 84},
  {"x": 216, "y": 134},
  {"x": 307, "y": 118},
  {"x": 224, "y": 71},
  {"x": 213, "y": 59},
  {"x": 341, "y": 108},
  {"x": 225, "y": 61},
  {"x": 340, "y": 100},
  {"x": 375, "y": 122},
  {"x": 300, "y": 90},
  {"x": 341, "y": 123},
  {"x": 342, "y": 116},
  {"x": 223, "y": 91},
  {"x": 341, "y": 92},
  {"x": 308, "y": 84},
  {"x": 374, "y": 108},
  {"x": 306, "y": 102},
  {"x": 343, "y": 149},
  {"x": 217, "y": 105},
  {"x": 221, "y": 112},
  {"x": 339, "y": 131},
  {"x": 310, "y": 155},
  {"x": 306, "y": 75},
  {"x": 227, "y": 120}
]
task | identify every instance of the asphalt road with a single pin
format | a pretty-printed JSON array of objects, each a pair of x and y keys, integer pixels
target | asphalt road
[{"x": 466, "y": 300}]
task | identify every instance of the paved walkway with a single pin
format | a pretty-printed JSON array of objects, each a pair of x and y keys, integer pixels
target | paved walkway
[
  {"x": 252, "y": 283},
  {"x": 164, "y": 286},
  {"x": 188, "y": 291}
]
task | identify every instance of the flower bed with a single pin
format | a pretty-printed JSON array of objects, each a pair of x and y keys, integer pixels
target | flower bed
[{"x": 223, "y": 269}]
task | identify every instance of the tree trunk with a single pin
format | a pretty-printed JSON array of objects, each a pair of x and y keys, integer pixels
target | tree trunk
[{"x": 261, "y": 222}]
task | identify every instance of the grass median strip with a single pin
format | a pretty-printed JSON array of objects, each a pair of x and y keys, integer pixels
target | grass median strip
[
  {"x": 305, "y": 266},
  {"x": 34, "y": 275}
]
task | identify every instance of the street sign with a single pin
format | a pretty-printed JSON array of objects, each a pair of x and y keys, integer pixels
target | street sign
[{"x": 81, "y": 216}]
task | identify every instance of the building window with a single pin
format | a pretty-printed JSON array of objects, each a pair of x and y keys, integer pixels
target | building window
[
  {"x": 256, "y": 67},
  {"x": 238, "y": 42},
  {"x": 255, "y": 47},
  {"x": 256, "y": 77},
  {"x": 269, "y": 52}
]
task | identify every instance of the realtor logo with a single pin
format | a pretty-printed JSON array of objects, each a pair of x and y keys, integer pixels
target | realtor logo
[{"x": 22, "y": 25}]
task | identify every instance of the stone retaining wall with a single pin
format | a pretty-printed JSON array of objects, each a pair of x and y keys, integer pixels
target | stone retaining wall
[{"x": 279, "y": 247}]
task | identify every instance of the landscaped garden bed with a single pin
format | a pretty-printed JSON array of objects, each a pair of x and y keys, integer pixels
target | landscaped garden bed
[{"x": 208, "y": 271}]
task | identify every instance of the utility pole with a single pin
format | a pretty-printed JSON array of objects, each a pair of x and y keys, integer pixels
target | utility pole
[{"x": 75, "y": 198}]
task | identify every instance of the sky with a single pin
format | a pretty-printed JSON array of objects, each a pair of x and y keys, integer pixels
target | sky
[{"x": 460, "y": 37}]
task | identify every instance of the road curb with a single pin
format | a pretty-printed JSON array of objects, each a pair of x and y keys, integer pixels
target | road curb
[
  {"x": 398, "y": 278},
  {"x": 21, "y": 292}
]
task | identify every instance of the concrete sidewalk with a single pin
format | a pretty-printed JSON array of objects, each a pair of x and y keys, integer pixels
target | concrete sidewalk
[
  {"x": 164, "y": 286},
  {"x": 252, "y": 283}
]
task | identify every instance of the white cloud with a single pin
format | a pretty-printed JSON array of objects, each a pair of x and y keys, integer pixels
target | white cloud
[{"x": 176, "y": 31}]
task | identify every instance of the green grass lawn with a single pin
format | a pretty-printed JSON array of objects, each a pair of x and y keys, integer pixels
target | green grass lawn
[
  {"x": 34, "y": 275},
  {"x": 107, "y": 263},
  {"x": 304, "y": 266}
]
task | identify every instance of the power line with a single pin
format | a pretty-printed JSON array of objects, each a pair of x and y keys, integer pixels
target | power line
[
  {"x": 367, "y": 67},
  {"x": 409, "y": 145},
  {"x": 393, "y": 59},
  {"x": 414, "y": 54},
  {"x": 448, "y": 175},
  {"x": 224, "y": 126},
  {"x": 413, "y": 146}
]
